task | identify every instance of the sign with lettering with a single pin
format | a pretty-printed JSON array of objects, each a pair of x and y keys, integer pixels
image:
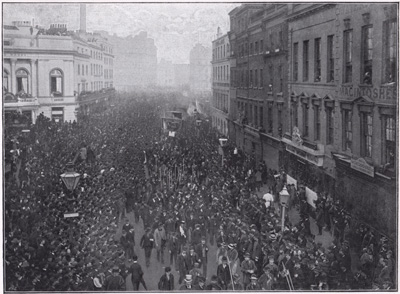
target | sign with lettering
[
  {"x": 362, "y": 166},
  {"x": 382, "y": 93}
]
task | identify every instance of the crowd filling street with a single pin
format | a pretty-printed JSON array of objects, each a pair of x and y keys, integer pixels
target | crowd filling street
[{"x": 167, "y": 210}]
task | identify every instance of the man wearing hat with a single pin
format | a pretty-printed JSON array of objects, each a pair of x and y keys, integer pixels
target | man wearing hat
[
  {"x": 187, "y": 286},
  {"x": 224, "y": 273},
  {"x": 166, "y": 282},
  {"x": 248, "y": 268},
  {"x": 236, "y": 285},
  {"x": 147, "y": 243},
  {"x": 298, "y": 276},
  {"x": 196, "y": 235},
  {"x": 254, "y": 285},
  {"x": 192, "y": 258},
  {"x": 195, "y": 272},
  {"x": 233, "y": 258},
  {"x": 201, "y": 284},
  {"x": 160, "y": 240},
  {"x": 114, "y": 282},
  {"x": 214, "y": 286},
  {"x": 266, "y": 280},
  {"x": 202, "y": 252},
  {"x": 181, "y": 265},
  {"x": 136, "y": 274},
  {"x": 221, "y": 251}
]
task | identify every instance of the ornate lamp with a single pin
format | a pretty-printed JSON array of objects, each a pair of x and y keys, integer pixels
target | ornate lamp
[
  {"x": 284, "y": 200},
  {"x": 70, "y": 177},
  {"x": 223, "y": 141}
]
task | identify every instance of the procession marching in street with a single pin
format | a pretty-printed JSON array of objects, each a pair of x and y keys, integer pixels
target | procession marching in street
[{"x": 171, "y": 183}]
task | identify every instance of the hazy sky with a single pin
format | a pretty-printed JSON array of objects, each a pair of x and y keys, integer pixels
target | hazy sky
[{"x": 176, "y": 28}]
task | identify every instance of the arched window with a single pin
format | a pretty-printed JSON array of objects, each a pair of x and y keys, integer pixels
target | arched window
[
  {"x": 22, "y": 81},
  {"x": 56, "y": 82},
  {"x": 6, "y": 79}
]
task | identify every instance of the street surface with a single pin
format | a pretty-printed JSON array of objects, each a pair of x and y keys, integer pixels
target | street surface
[{"x": 153, "y": 273}]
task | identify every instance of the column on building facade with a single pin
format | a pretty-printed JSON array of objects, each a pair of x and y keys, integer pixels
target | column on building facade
[
  {"x": 12, "y": 76},
  {"x": 33, "y": 78}
]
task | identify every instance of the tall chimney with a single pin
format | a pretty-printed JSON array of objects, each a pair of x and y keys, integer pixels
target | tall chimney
[{"x": 82, "y": 17}]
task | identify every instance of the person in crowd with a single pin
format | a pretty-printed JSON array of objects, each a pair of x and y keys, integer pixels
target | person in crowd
[
  {"x": 187, "y": 285},
  {"x": 166, "y": 282},
  {"x": 160, "y": 239},
  {"x": 195, "y": 273},
  {"x": 235, "y": 285},
  {"x": 114, "y": 282},
  {"x": 214, "y": 285},
  {"x": 147, "y": 243},
  {"x": 137, "y": 274},
  {"x": 182, "y": 265},
  {"x": 254, "y": 285},
  {"x": 224, "y": 273},
  {"x": 248, "y": 268},
  {"x": 201, "y": 285},
  {"x": 202, "y": 253}
]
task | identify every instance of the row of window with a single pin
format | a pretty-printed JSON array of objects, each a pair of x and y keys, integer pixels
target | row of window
[
  {"x": 221, "y": 101},
  {"x": 220, "y": 124},
  {"x": 94, "y": 86},
  {"x": 366, "y": 130},
  {"x": 221, "y": 73},
  {"x": 221, "y": 51},
  {"x": 330, "y": 71},
  {"x": 108, "y": 61},
  {"x": 95, "y": 69},
  {"x": 275, "y": 41},
  {"x": 255, "y": 78},
  {"x": 366, "y": 56},
  {"x": 253, "y": 115},
  {"x": 56, "y": 79},
  {"x": 108, "y": 73}
]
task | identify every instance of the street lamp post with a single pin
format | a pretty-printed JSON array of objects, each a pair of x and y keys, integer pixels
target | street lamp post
[
  {"x": 70, "y": 178},
  {"x": 284, "y": 199}
]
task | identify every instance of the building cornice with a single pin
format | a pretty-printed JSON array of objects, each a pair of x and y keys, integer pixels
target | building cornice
[
  {"x": 306, "y": 12},
  {"x": 44, "y": 51}
]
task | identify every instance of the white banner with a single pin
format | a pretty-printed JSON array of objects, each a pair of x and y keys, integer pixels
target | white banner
[
  {"x": 311, "y": 196},
  {"x": 291, "y": 181}
]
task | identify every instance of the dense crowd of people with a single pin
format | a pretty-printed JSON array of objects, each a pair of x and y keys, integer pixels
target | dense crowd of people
[{"x": 188, "y": 201}]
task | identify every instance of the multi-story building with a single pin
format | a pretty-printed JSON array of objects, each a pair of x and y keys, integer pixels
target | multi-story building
[
  {"x": 135, "y": 62},
  {"x": 200, "y": 70},
  {"x": 343, "y": 101},
  {"x": 259, "y": 95},
  {"x": 55, "y": 71},
  {"x": 221, "y": 81}
]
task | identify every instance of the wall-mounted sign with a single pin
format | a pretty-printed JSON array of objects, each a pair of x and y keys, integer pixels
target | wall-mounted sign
[
  {"x": 382, "y": 93},
  {"x": 362, "y": 166}
]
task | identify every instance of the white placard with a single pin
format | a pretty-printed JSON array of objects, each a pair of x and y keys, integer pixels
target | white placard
[{"x": 311, "y": 196}]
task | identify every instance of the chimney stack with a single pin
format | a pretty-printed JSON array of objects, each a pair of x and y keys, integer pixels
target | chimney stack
[{"x": 83, "y": 18}]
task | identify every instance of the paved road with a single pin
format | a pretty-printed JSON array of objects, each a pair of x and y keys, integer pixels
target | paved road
[{"x": 153, "y": 273}]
